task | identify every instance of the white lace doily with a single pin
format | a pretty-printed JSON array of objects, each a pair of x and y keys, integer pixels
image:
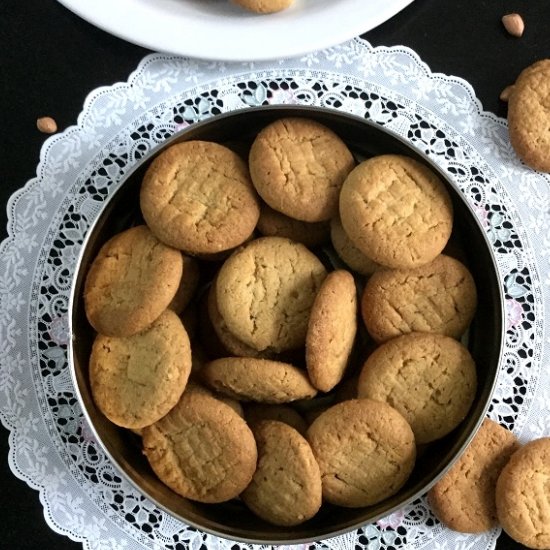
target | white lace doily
[{"x": 52, "y": 448}]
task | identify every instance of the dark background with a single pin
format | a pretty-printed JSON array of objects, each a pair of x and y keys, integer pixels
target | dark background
[{"x": 50, "y": 59}]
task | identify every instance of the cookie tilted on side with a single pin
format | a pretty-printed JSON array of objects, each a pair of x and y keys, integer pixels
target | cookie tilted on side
[
  {"x": 298, "y": 167},
  {"x": 365, "y": 450},
  {"x": 429, "y": 378},
  {"x": 396, "y": 211},
  {"x": 130, "y": 282},
  {"x": 197, "y": 196},
  {"x": 523, "y": 495},
  {"x": 464, "y": 498},
  {"x": 529, "y": 116},
  {"x": 202, "y": 449},
  {"x": 286, "y": 487},
  {"x": 135, "y": 380},
  {"x": 331, "y": 330}
]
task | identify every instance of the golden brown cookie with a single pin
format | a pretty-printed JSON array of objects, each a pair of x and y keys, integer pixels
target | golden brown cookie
[
  {"x": 396, "y": 211},
  {"x": 437, "y": 297},
  {"x": 202, "y": 449},
  {"x": 331, "y": 330},
  {"x": 529, "y": 116},
  {"x": 264, "y": 6},
  {"x": 523, "y": 495},
  {"x": 130, "y": 283},
  {"x": 228, "y": 340},
  {"x": 187, "y": 286},
  {"x": 429, "y": 378},
  {"x": 197, "y": 196},
  {"x": 298, "y": 167},
  {"x": 136, "y": 380},
  {"x": 365, "y": 450},
  {"x": 464, "y": 498},
  {"x": 286, "y": 487},
  {"x": 265, "y": 291},
  {"x": 275, "y": 224},
  {"x": 348, "y": 252},
  {"x": 258, "y": 412},
  {"x": 261, "y": 380}
]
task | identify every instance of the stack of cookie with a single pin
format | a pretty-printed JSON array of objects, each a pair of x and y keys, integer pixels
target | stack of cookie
[{"x": 283, "y": 329}]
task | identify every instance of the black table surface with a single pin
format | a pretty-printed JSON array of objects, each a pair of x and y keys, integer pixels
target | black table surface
[{"x": 50, "y": 59}]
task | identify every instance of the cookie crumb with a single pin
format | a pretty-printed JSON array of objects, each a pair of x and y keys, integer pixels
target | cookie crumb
[
  {"x": 513, "y": 23},
  {"x": 47, "y": 125}
]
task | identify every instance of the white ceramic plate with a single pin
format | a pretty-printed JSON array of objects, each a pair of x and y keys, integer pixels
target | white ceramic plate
[{"x": 217, "y": 29}]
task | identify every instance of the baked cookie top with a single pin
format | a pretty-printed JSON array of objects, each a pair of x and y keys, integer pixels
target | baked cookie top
[
  {"x": 264, "y": 6},
  {"x": 261, "y": 380},
  {"x": 130, "y": 282},
  {"x": 365, "y": 450},
  {"x": 136, "y": 380},
  {"x": 523, "y": 495},
  {"x": 529, "y": 116},
  {"x": 298, "y": 166},
  {"x": 202, "y": 449},
  {"x": 429, "y": 378},
  {"x": 265, "y": 292},
  {"x": 197, "y": 196},
  {"x": 437, "y": 297},
  {"x": 286, "y": 487},
  {"x": 331, "y": 330},
  {"x": 396, "y": 211},
  {"x": 464, "y": 498}
]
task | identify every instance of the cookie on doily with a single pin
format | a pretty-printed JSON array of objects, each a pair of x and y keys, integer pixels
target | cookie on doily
[
  {"x": 523, "y": 495},
  {"x": 464, "y": 498}
]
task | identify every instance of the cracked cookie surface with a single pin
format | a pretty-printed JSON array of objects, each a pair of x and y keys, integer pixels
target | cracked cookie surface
[
  {"x": 286, "y": 487},
  {"x": 437, "y": 297},
  {"x": 523, "y": 495},
  {"x": 396, "y": 211},
  {"x": 298, "y": 167},
  {"x": 197, "y": 196},
  {"x": 202, "y": 449},
  {"x": 261, "y": 380},
  {"x": 529, "y": 116},
  {"x": 331, "y": 330},
  {"x": 429, "y": 378},
  {"x": 265, "y": 292},
  {"x": 464, "y": 498},
  {"x": 365, "y": 450},
  {"x": 136, "y": 380},
  {"x": 130, "y": 282}
]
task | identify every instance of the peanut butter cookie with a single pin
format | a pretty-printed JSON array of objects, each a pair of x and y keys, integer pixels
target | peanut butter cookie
[
  {"x": 136, "y": 380},
  {"x": 331, "y": 330},
  {"x": 262, "y": 380},
  {"x": 130, "y": 282},
  {"x": 429, "y": 378},
  {"x": 464, "y": 498},
  {"x": 298, "y": 167},
  {"x": 437, "y": 297},
  {"x": 365, "y": 450},
  {"x": 265, "y": 292},
  {"x": 188, "y": 285},
  {"x": 529, "y": 116},
  {"x": 523, "y": 495},
  {"x": 197, "y": 196},
  {"x": 202, "y": 449},
  {"x": 396, "y": 211},
  {"x": 264, "y": 6},
  {"x": 286, "y": 487},
  {"x": 258, "y": 412}
]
